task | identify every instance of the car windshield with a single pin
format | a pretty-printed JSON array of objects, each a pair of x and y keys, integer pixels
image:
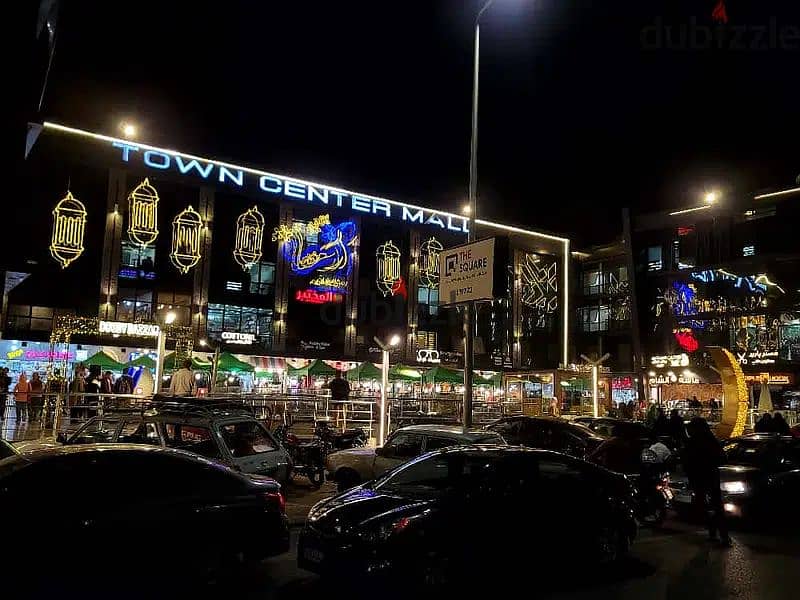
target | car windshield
[
  {"x": 436, "y": 474},
  {"x": 756, "y": 453},
  {"x": 247, "y": 438}
]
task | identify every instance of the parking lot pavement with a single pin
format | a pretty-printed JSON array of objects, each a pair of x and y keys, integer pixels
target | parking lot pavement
[{"x": 301, "y": 496}]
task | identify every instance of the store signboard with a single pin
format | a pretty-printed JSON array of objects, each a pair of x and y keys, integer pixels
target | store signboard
[
  {"x": 234, "y": 337},
  {"x": 466, "y": 273},
  {"x": 771, "y": 378},
  {"x": 755, "y": 357},
  {"x": 670, "y": 360},
  {"x": 131, "y": 329},
  {"x": 425, "y": 355}
]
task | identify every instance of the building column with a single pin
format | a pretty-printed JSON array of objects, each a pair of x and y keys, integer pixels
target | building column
[
  {"x": 116, "y": 206},
  {"x": 412, "y": 300},
  {"x": 516, "y": 310},
  {"x": 203, "y": 271},
  {"x": 286, "y": 218},
  {"x": 351, "y": 299}
]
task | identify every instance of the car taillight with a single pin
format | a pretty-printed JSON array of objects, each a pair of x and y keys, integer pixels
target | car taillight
[{"x": 277, "y": 500}]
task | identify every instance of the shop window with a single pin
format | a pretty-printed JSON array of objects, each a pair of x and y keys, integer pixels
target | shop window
[
  {"x": 24, "y": 317},
  {"x": 240, "y": 319},
  {"x": 655, "y": 258},
  {"x": 133, "y": 255},
  {"x": 262, "y": 278},
  {"x": 180, "y": 304},
  {"x": 429, "y": 298},
  {"x": 593, "y": 282},
  {"x": 593, "y": 318},
  {"x": 134, "y": 305}
]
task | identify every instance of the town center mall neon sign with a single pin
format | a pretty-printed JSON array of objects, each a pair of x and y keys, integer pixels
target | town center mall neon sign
[{"x": 287, "y": 187}]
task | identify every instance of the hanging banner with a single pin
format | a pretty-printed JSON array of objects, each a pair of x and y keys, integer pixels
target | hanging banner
[{"x": 466, "y": 273}]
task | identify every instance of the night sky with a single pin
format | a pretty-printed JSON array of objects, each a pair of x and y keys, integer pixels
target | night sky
[{"x": 578, "y": 118}]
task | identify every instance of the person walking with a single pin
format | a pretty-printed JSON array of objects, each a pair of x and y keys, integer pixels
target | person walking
[
  {"x": 779, "y": 425},
  {"x": 702, "y": 457},
  {"x": 5, "y": 385},
  {"x": 22, "y": 396},
  {"x": 107, "y": 383},
  {"x": 78, "y": 387},
  {"x": 37, "y": 399},
  {"x": 764, "y": 424},
  {"x": 676, "y": 428},
  {"x": 340, "y": 389},
  {"x": 182, "y": 382},
  {"x": 661, "y": 425}
]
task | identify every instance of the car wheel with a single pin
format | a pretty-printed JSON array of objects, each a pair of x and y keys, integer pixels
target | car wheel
[
  {"x": 612, "y": 545},
  {"x": 346, "y": 479}
]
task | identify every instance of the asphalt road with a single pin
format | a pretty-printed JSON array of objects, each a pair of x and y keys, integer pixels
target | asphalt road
[{"x": 676, "y": 563}]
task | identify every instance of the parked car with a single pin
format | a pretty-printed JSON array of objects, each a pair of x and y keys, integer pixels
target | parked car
[
  {"x": 761, "y": 475},
  {"x": 604, "y": 426},
  {"x": 480, "y": 509},
  {"x": 6, "y": 449},
  {"x": 224, "y": 432},
  {"x": 548, "y": 434},
  {"x": 117, "y": 501},
  {"x": 350, "y": 467}
]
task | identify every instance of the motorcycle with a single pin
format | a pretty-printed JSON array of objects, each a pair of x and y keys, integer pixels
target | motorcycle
[
  {"x": 653, "y": 497},
  {"x": 344, "y": 440},
  {"x": 308, "y": 457}
]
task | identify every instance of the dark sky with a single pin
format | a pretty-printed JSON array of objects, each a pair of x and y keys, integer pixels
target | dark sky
[{"x": 578, "y": 118}]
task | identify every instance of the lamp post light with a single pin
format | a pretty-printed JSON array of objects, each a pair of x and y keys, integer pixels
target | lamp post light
[
  {"x": 169, "y": 319},
  {"x": 595, "y": 364},
  {"x": 128, "y": 130},
  {"x": 385, "y": 347}
]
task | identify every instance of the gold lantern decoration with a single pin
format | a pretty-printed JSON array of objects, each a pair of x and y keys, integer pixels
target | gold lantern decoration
[
  {"x": 249, "y": 234},
  {"x": 429, "y": 263},
  {"x": 69, "y": 225},
  {"x": 186, "y": 228},
  {"x": 388, "y": 263},
  {"x": 143, "y": 214}
]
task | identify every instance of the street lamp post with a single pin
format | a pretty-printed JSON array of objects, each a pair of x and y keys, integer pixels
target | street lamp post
[
  {"x": 162, "y": 348},
  {"x": 472, "y": 211},
  {"x": 385, "y": 349},
  {"x": 595, "y": 364}
]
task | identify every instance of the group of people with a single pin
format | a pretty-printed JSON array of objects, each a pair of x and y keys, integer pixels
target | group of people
[
  {"x": 28, "y": 395},
  {"x": 772, "y": 424}
]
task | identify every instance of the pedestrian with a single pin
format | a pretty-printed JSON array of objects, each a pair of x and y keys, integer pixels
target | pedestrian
[
  {"x": 182, "y": 382},
  {"x": 677, "y": 430},
  {"x": 621, "y": 452},
  {"x": 22, "y": 393},
  {"x": 340, "y": 389},
  {"x": 764, "y": 424},
  {"x": 779, "y": 425},
  {"x": 123, "y": 385},
  {"x": 107, "y": 383},
  {"x": 78, "y": 387},
  {"x": 93, "y": 382},
  {"x": 650, "y": 415},
  {"x": 661, "y": 425},
  {"x": 702, "y": 457},
  {"x": 37, "y": 399},
  {"x": 5, "y": 385}
]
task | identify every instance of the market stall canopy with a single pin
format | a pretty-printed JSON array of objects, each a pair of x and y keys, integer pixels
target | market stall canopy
[
  {"x": 404, "y": 373},
  {"x": 143, "y": 361},
  {"x": 444, "y": 375},
  {"x": 317, "y": 368},
  {"x": 366, "y": 371},
  {"x": 105, "y": 362},
  {"x": 198, "y": 364},
  {"x": 270, "y": 363},
  {"x": 228, "y": 363}
]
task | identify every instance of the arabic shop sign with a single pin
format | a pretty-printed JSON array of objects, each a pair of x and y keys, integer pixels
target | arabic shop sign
[
  {"x": 756, "y": 357},
  {"x": 315, "y": 297},
  {"x": 234, "y": 337},
  {"x": 131, "y": 329},
  {"x": 314, "y": 345},
  {"x": 771, "y": 378},
  {"x": 672, "y": 378},
  {"x": 271, "y": 185},
  {"x": 670, "y": 360}
]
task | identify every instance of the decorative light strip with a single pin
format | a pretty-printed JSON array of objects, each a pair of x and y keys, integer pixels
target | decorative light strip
[
  {"x": 688, "y": 210},
  {"x": 781, "y": 193}
]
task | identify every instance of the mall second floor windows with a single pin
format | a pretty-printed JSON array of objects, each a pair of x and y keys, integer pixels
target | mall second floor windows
[{"x": 240, "y": 319}]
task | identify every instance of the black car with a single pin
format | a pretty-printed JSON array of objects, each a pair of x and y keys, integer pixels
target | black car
[
  {"x": 479, "y": 508},
  {"x": 761, "y": 475},
  {"x": 605, "y": 426},
  {"x": 548, "y": 434},
  {"x": 103, "y": 504}
]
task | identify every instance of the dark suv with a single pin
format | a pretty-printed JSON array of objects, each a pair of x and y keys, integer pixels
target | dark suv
[{"x": 548, "y": 434}]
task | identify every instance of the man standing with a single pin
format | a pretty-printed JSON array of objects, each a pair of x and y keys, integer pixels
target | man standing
[
  {"x": 340, "y": 389},
  {"x": 182, "y": 383}
]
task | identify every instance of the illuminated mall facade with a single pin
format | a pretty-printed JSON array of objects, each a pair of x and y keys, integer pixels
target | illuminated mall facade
[{"x": 265, "y": 265}]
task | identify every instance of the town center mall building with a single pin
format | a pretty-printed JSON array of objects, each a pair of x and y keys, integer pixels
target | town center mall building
[{"x": 269, "y": 267}]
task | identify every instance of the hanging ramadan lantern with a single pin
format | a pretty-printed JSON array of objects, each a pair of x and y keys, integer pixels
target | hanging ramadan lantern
[
  {"x": 388, "y": 268},
  {"x": 143, "y": 214},
  {"x": 249, "y": 233},
  {"x": 429, "y": 263},
  {"x": 69, "y": 223},
  {"x": 186, "y": 229}
]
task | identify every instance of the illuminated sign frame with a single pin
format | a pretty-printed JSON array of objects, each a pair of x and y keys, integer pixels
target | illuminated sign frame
[
  {"x": 131, "y": 329},
  {"x": 670, "y": 360},
  {"x": 69, "y": 226},
  {"x": 234, "y": 337},
  {"x": 425, "y": 355}
]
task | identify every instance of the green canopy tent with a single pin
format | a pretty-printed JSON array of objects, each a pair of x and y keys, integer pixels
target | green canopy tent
[
  {"x": 316, "y": 368},
  {"x": 444, "y": 375},
  {"x": 228, "y": 363},
  {"x": 143, "y": 361},
  {"x": 105, "y": 362},
  {"x": 404, "y": 373},
  {"x": 366, "y": 371},
  {"x": 198, "y": 364}
]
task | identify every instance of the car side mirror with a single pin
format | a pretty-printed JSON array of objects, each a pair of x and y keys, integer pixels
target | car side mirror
[{"x": 61, "y": 437}]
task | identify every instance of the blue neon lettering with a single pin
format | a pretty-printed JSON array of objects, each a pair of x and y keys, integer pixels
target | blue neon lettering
[
  {"x": 417, "y": 217},
  {"x": 459, "y": 228},
  {"x": 380, "y": 205},
  {"x": 434, "y": 220},
  {"x": 237, "y": 177},
  {"x": 295, "y": 190},
  {"x": 361, "y": 204},
  {"x": 262, "y": 183},
  {"x": 339, "y": 196},
  {"x": 126, "y": 148},
  {"x": 148, "y": 159},
  {"x": 321, "y": 194},
  {"x": 193, "y": 164}
]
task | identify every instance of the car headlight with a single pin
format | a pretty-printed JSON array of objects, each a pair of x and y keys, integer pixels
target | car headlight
[{"x": 733, "y": 487}]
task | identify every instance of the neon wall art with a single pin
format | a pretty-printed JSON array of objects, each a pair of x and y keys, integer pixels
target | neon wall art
[
  {"x": 429, "y": 263},
  {"x": 249, "y": 235},
  {"x": 186, "y": 229},
  {"x": 387, "y": 260},
  {"x": 328, "y": 261},
  {"x": 143, "y": 214},
  {"x": 69, "y": 225}
]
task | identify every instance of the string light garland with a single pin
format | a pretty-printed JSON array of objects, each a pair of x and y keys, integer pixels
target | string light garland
[
  {"x": 69, "y": 226},
  {"x": 249, "y": 235},
  {"x": 143, "y": 214},
  {"x": 186, "y": 228}
]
